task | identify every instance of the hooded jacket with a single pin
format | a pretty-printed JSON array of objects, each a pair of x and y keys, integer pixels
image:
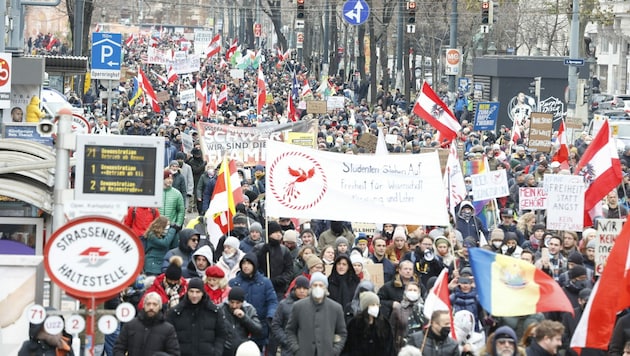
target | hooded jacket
[
  {"x": 158, "y": 287},
  {"x": 191, "y": 269},
  {"x": 147, "y": 336},
  {"x": 470, "y": 226},
  {"x": 183, "y": 250},
  {"x": 37, "y": 347},
  {"x": 33, "y": 113}
]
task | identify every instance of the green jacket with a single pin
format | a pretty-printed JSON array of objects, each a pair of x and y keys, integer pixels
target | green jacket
[{"x": 173, "y": 206}]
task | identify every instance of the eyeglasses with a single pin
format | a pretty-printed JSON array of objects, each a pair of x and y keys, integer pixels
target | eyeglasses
[
  {"x": 505, "y": 341},
  {"x": 194, "y": 240}
]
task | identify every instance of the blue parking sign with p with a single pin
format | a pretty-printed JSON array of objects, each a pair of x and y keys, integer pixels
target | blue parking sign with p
[{"x": 106, "y": 55}]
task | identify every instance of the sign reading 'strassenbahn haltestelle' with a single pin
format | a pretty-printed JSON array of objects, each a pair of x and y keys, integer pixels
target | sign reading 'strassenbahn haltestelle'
[{"x": 93, "y": 257}]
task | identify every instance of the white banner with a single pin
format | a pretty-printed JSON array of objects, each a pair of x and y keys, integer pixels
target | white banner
[
  {"x": 490, "y": 185},
  {"x": 400, "y": 189},
  {"x": 202, "y": 40},
  {"x": 532, "y": 198},
  {"x": 565, "y": 202},
  {"x": 607, "y": 232},
  {"x": 182, "y": 62},
  {"x": 187, "y": 96}
]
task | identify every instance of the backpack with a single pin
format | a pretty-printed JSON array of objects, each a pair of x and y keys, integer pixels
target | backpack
[{"x": 143, "y": 239}]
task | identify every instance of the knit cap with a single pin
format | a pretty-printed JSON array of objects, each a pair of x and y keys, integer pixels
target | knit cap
[
  {"x": 272, "y": 227},
  {"x": 256, "y": 227},
  {"x": 497, "y": 234},
  {"x": 319, "y": 277},
  {"x": 341, "y": 240},
  {"x": 313, "y": 261},
  {"x": 195, "y": 283},
  {"x": 232, "y": 242},
  {"x": 592, "y": 244},
  {"x": 237, "y": 293},
  {"x": 368, "y": 298},
  {"x": 356, "y": 258},
  {"x": 301, "y": 282},
  {"x": 290, "y": 236}
]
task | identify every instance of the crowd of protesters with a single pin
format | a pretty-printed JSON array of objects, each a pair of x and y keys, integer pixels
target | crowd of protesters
[{"x": 303, "y": 287}]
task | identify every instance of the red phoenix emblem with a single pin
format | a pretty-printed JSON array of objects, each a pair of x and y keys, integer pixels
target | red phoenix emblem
[{"x": 297, "y": 180}]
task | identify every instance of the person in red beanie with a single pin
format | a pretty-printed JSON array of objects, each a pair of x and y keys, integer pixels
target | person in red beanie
[{"x": 216, "y": 285}]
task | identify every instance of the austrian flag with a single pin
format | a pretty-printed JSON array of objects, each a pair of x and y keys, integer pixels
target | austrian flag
[
  {"x": 432, "y": 109},
  {"x": 214, "y": 47}
]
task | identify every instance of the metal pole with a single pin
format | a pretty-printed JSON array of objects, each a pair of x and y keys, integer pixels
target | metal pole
[
  {"x": 62, "y": 166},
  {"x": 326, "y": 39},
  {"x": 109, "y": 103},
  {"x": 3, "y": 14},
  {"x": 574, "y": 47},
  {"x": 399, "y": 46},
  {"x": 452, "y": 43}
]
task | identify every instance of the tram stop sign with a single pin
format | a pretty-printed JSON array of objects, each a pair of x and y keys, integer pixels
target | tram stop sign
[{"x": 93, "y": 257}]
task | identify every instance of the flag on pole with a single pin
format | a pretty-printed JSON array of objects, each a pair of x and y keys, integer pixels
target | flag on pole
[
  {"x": 562, "y": 154},
  {"x": 148, "y": 91},
  {"x": 223, "y": 95},
  {"x": 201, "y": 93},
  {"x": 212, "y": 105},
  {"x": 214, "y": 47},
  {"x": 97, "y": 27},
  {"x": 227, "y": 194},
  {"x": 601, "y": 170},
  {"x": 231, "y": 50},
  {"x": 129, "y": 40},
  {"x": 161, "y": 78},
  {"x": 432, "y": 109},
  {"x": 171, "y": 75},
  {"x": 306, "y": 89},
  {"x": 291, "y": 112},
  {"x": 136, "y": 92},
  {"x": 438, "y": 298},
  {"x": 609, "y": 296},
  {"x": 295, "y": 94},
  {"x": 454, "y": 180},
  {"x": 530, "y": 290},
  {"x": 261, "y": 91},
  {"x": 516, "y": 133}
]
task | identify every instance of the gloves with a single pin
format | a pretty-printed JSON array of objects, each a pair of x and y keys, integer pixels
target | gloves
[{"x": 176, "y": 227}]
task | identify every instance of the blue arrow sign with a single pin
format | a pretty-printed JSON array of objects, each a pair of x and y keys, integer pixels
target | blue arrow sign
[
  {"x": 356, "y": 12},
  {"x": 573, "y": 61},
  {"x": 106, "y": 55}
]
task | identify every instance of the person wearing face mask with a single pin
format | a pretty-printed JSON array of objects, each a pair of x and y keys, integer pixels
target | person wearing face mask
[
  {"x": 275, "y": 259},
  {"x": 437, "y": 341},
  {"x": 577, "y": 282},
  {"x": 369, "y": 332},
  {"x": 469, "y": 224},
  {"x": 496, "y": 240},
  {"x": 231, "y": 257},
  {"x": 259, "y": 180},
  {"x": 408, "y": 315},
  {"x": 320, "y": 313}
]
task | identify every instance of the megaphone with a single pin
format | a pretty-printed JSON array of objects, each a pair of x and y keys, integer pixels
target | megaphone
[
  {"x": 429, "y": 255},
  {"x": 46, "y": 128}
]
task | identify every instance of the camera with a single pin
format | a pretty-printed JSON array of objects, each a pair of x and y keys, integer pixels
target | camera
[{"x": 46, "y": 128}]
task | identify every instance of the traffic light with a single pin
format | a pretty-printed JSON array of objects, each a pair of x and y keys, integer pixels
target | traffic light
[
  {"x": 300, "y": 9},
  {"x": 583, "y": 92},
  {"x": 491, "y": 12},
  {"x": 534, "y": 87},
  {"x": 411, "y": 9},
  {"x": 485, "y": 12}
]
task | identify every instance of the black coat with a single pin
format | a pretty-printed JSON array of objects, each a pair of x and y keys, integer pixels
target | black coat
[
  {"x": 280, "y": 266},
  {"x": 536, "y": 350},
  {"x": 364, "y": 339},
  {"x": 200, "y": 327},
  {"x": 239, "y": 330},
  {"x": 145, "y": 337}
]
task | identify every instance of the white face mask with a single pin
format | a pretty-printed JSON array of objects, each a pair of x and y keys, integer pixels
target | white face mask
[
  {"x": 317, "y": 292},
  {"x": 373, "y": 310},
  {"x": 497, "y": 244},
  {"x": 412, "y": 296},
  {"x": 227, "y": 255}
]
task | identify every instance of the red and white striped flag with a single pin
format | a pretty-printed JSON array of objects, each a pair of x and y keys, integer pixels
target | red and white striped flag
[
  {"x": 148, "y": 91},
  {"x": 171, "y": 75},
  {"x": 610, "y": 296},
  {"x": 223, "y": 63},
  {"x": 291, "y": 112},
  {"x": 214, "y": 47},
  {"x": 516, "y": 132},
  {"x": 306, "y": 90},
  {"x": 212, "y": 105},
  {"x": 432, "y": 109},
  {"x": 223, "y": 95},
  {"x": 201, "y": 93},
  {"x": 129, "y": 40},
  {"x": 454, "y": 180},
  {"x": 438, "y": 298},
  {"x": 97, "y": 27},
  {"x": 227, "y": 194},
  {"x": 261, "y": 91},
  {"x": 231, "y": 50},
  {"x": 161, "y": 78},
  {"x": 562, "y": 155}
]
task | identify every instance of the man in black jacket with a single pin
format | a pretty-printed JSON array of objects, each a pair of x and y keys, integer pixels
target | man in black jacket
[
  {"x": 280, "y": 270},
  {"x": 241, "y": 321},
  {"x": 148, "y": 333},
  {"x": 198, "y": 322}
]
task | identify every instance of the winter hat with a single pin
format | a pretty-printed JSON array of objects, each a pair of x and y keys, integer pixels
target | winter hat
[
  {"x": 301, "y": 282},
  {"x": 248, "y": 348},
  {"x": 256, "y": 227},
  {"x": 174, "y": 269},
  {"x": 237, "y": 293},
  {"x": 195, "y": 283},
  {"x": 465, "y": 272},
  {"x": 361, "y": 237},
  {"x": 368, "y": 298},
  {"x": 356, "y": 258},
  {"x": 180, "y": 155},
  {"x": 576, "y": 258},
  {"x": 215, "y": 271},
  {"x": 319, "y": 277},
  {"x": 592, "y": 244},
  {"x": 341, "y": 240},
  {"x": 435, "y": 233},
  {"x": 232, "y": 242},
  {"x": 440, "y": 240},
  {"x": 313, "y": 261},
  {"x": 239, "y": 219},
  {"x": 588, "y": 231},
  {"x": 510, "y": 235},
  {"x": 505, "y": 332},
  {"x": 497, "y": 234},
  {"x": 539, "y": 227},
  {"x": 167, "y": 174},
  {"x": 290, "y": 236},
  {"x": 272, "y": 227},
  {"x": 577, "y": 271},
  {"x": 399, "y": 231},
  {"x": 470, "y": 242},
  {"x": 174, "y": 163}
]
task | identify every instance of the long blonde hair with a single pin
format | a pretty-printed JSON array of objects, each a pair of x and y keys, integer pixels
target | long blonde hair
[{"x": 157, "y": 227}]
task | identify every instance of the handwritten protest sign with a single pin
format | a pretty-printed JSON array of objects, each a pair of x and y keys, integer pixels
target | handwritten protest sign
[
  {"x": 490, "y": 185},
  {"x": 607, "y": 232},
  {"x": 532, "y": 198},
  {"x": 565, "y": 202}
]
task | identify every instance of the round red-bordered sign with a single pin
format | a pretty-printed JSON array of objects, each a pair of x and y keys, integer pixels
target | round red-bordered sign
[
  {"x": 93, "y": 257},
  {"x": 5, "y": 72}
]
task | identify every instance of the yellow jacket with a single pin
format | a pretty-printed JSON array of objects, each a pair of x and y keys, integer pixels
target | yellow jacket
[{"x": 33, "y": 113}]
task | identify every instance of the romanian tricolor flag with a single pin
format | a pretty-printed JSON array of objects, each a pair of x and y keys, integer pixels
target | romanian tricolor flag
[{"x": 508, "y": 286}]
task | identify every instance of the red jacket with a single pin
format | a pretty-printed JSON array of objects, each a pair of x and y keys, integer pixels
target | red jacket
[
  {"x": 158, "y": 287},
  {"x": 138, "y": 219}
]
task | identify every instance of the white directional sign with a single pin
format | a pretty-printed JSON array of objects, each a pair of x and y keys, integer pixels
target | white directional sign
[
  {"x": 356, "y": 12},
  {"x": 106, "y": 55}
]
